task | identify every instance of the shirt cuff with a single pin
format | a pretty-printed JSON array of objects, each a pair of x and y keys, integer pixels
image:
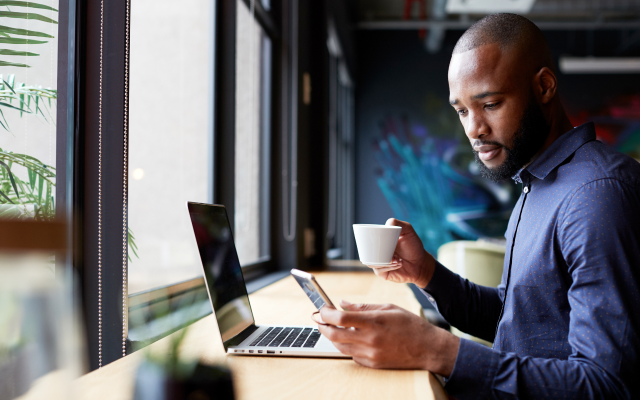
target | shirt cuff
[
  {"x": 440, "y": 287},
  {"x": 473, "y": 372}
]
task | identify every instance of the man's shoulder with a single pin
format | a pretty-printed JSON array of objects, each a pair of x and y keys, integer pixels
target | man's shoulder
[{"x": 596, "y": 161}]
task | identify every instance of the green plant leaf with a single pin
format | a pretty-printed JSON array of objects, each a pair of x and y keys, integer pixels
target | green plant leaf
[
  {"x": 48, "y": 197},
  {"x": 9, "y": 211},
  {"x": 11, "y": 178},
  {"x": 23, "y": 32},
  {"x": 38, "y": 108},
  {"x": 40, "y": 187},
  {"x": 16, "y": 3},
  {"x": 21, "y": 103},
  {"x": 13, "y": 14},
  {"x": 28, "y": 162},
  {"x": 6, "y": 197},
  {"x": 10, "y": 85},
  {"x": 5, "y": 125},
  {"x": 15, "y": 108},
  {"x": 40, "y": 201},
  {"x": 10, "y": 64},
  {"x": 132, "y": 244},
  {"x": 32, "y": 179},
  {"x": 10, "y": 40},
  {"x": 7, "y": 52}
]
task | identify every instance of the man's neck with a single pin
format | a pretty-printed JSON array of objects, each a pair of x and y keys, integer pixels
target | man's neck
[{"x": 559, "y": 125}]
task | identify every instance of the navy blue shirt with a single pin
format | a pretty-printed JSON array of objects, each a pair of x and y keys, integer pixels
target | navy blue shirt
[{"x": 570, "y": 287}]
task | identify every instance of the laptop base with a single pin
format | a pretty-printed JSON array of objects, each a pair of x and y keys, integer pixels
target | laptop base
[{"x": 281, "y": 343}]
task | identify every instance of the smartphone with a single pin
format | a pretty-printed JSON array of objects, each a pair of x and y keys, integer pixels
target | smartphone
[{"x": 311, "y": 287}]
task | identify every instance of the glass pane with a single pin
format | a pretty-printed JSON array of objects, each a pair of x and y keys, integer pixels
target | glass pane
[
  {"x": 170, "y": 142},
  {"x": 253, "y": 60},
  {"x": 28, "y": 136}
]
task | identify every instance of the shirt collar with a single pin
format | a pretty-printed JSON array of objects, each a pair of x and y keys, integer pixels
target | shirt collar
[{"x": 559, "y": 151}]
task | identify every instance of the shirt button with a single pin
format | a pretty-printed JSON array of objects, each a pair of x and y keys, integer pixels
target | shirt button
[{"x": 526, "y": 189}]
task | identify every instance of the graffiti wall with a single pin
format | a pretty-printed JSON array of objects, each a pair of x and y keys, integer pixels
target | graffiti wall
[{"x": 414, "y": 161}]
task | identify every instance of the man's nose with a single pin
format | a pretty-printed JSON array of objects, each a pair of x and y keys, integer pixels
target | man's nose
[{"x": 476, "y": 127}]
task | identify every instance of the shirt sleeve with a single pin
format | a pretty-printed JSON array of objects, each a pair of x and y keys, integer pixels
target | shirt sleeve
[
  {"x": 473, "y": 309},
  {"x": 598, "y": 235}
]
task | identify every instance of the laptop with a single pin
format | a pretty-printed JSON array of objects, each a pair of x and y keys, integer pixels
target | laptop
[{"x": 230, "y": 301}]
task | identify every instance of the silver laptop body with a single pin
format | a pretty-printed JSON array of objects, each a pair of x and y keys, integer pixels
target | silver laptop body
[{"x": 230, "y": 301}]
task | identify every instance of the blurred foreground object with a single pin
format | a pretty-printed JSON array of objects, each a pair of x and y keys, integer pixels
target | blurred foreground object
[
  {"x": 202, "y": 382},
  {"x": 166, "y": 373},
  {"x": 40, "y": 344}
]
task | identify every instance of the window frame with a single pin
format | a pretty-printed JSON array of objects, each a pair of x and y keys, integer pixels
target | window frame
[
  {"x": 97, "y": 32},
  {"x": 93, "y": 48},
  {"x": 341, "y": 205},
  {"x": 223, "y": 155}
]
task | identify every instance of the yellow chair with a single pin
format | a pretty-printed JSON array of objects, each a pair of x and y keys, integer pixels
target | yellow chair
[{"x": 479, "y": 261}]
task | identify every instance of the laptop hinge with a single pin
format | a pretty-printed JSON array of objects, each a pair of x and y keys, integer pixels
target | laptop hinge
[{"x": 236, "y": 340}]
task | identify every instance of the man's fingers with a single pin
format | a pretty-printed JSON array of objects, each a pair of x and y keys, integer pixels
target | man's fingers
[
  {"x": 340, "y": 335},
  {"x": 390, "y": 267},
  {"x": 353, "y": 350},
  {"x": 362, "y": 307},
  {"x": 382, "y": 274},
  {"x": 396, "y": 262},
  {"x": 406, "y": 227},
  {"x": 341, "y": 318},
  {"x": 347, "y": 341}
]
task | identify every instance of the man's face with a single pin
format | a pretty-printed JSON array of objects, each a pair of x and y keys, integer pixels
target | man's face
[{"x": 492, "y": 95}]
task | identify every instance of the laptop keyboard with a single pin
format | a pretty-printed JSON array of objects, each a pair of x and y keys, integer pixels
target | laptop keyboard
[{"x": 287, "y": 337}]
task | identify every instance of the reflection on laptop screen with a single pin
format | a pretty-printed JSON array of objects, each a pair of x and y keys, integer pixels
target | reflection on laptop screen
[{"x": 222, "y": 272}]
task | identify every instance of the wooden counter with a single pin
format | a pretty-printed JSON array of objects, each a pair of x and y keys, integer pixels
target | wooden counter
[{"x": 287, "y": 378}]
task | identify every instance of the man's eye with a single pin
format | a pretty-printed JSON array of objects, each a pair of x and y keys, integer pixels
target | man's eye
[
  {"x": 462, "y": 112},
  {"x": 491, "y": 105}
]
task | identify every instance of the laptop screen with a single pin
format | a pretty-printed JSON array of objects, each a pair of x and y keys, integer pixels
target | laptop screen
[{"x": 222, "y": 272}]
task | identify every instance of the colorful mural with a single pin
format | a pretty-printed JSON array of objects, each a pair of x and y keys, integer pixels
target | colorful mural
[
  {"x": 617, "y": 124},
  {"x": 431, "y": 180},
  {"x": 428, "y": 175}
]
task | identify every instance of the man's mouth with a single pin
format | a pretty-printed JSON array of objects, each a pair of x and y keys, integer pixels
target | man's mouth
[{"x": 487, "y": 152}]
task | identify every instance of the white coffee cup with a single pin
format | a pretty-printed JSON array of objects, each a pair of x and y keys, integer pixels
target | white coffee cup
[{"x": 376, "y": 243}]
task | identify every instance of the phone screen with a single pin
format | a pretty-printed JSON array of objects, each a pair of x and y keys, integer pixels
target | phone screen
[{"x": 312, "y": 289}]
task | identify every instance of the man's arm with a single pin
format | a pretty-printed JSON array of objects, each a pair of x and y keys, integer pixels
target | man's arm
[{"x": 473, "y": 309}]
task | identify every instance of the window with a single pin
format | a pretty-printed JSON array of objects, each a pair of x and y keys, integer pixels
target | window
[
  {"x": 341, "y": 153},
  {"x": 28, "y": 95},
  {"x": 252, "y": 150},
  {"x": 170, "y": 137},
  {"x": 153, "y": 136}
]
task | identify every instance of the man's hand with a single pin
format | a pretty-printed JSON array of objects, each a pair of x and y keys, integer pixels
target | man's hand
[
  {"x": 387, "y": 336},
  {"x": 410, "y": 263}
]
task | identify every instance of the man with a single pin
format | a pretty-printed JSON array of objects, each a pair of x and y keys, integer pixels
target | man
[{"x": 565, "y": 320}]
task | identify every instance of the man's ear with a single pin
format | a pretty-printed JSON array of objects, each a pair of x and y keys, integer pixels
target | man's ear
[{"x": 545, "y": 85}]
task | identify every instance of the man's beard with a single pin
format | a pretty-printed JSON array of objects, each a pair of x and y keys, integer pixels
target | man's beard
[{"x": 527, "y": 141}]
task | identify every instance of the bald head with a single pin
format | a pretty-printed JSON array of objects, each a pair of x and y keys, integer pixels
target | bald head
[
  {"x": 512, "y": 33},
  {"x": 504, "y": 89}
]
